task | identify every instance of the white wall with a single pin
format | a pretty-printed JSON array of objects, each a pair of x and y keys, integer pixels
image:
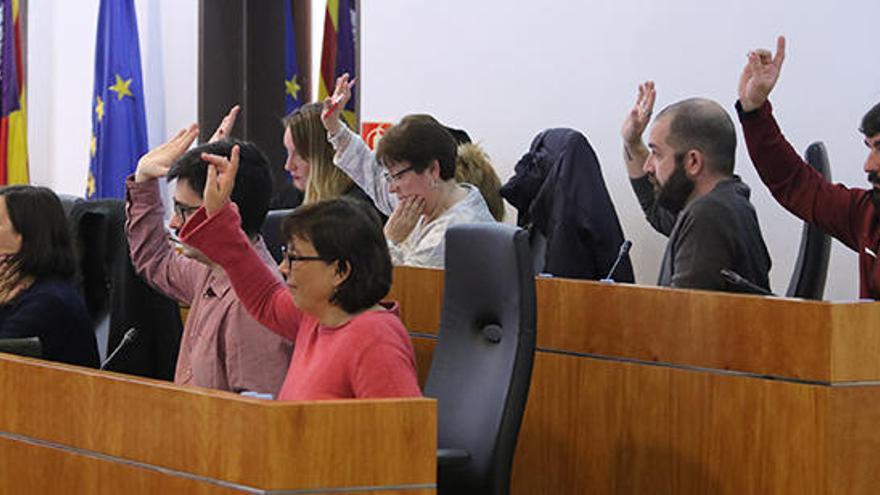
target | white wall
[
  {"x": 506, "y": 70},
  {"x": 61, "y": 67}
]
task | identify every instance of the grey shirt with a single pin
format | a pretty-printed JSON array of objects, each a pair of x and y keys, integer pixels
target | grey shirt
[{"x": 715, "y": 231}]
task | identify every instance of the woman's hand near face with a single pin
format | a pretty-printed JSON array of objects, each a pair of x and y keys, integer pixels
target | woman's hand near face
[
  {"x": 404, "y": 218},
  {"x": 220, "y": 180},
  {"x": 11, "y": 282}
]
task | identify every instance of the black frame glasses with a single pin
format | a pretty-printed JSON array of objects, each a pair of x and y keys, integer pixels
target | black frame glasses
[
  {"x": 184, "y": 211},
  {"x": 389, "y": 177},
  {"x": 292, "y": 258}
]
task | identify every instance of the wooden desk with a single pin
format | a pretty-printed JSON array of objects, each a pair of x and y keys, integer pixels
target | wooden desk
[
  {"x": 651, "y": 390},
  {"x": 65, "y": 429}
]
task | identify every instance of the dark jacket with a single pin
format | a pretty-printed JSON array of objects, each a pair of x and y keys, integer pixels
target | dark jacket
[
  {"x": 716, "y": 231},
  {"x": 559, "y": 191},
  {"x": 52, "y": 310},
  {"x": 111, "y": 287}
]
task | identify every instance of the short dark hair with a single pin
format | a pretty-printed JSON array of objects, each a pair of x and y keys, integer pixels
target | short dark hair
[
  {"x": 46, "y": 248},
  {"x": 346, "y": 231},
  {"x": 698, "y": 123},
  {"x": 419, "y": 139},
  {"x": 871, "y": 122},
  {"x": 253, "y": 184}
]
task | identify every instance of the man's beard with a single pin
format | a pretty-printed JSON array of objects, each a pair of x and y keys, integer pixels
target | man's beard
[
  {"x": 678, "y": 188},
  {"x": 874, "y": 179}
]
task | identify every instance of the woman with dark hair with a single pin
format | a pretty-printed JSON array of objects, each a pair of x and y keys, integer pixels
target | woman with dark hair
[
  {"x": 411, "y": 178},
  {"x": 337, "y": 266},
  {"x": 37, "y": 263}
]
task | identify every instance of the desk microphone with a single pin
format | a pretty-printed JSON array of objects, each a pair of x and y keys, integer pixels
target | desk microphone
[
  {"x": 741, "y": 282},
  {"x": 624, "y": 250},
  {"x": 127, "y": 339}
]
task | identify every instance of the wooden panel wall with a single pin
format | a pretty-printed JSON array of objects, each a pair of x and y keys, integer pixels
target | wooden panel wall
[
  {"x": 805, "y": 340},
  {"x": 268, "y": 445},
  {"x": 599, "y": 425}
]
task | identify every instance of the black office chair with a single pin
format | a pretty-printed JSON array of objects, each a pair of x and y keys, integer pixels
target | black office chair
[
  {"x": 271, "y": 232},
  {"x": 811, "y": 267},
  {"x": 482, "y": 363},
  {"x": 25, "y": 346},
  {"x": 118, "y": 299}
]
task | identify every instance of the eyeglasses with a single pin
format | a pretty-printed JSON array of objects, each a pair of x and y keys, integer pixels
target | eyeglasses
[
  {"x": 394, "y": 177},
  {"x": 183, "y": 211},
  {"x": 291, "y": 258}
]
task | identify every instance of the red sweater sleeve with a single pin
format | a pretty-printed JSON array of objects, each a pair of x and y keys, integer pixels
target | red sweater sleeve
[
  {"x": 221, "y": 239},
  {"x": 798, "y": 187}
]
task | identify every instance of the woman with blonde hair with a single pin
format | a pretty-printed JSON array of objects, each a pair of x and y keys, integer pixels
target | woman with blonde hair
[
  {"x": 310, "y": 159},
  {"x": 472, "y": 166}
]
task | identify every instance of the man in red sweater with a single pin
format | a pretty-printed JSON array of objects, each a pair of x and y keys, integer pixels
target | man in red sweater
[{"x": 848, "y": 214}]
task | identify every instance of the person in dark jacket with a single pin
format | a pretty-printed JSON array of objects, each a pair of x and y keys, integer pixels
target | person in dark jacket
[
  {"x": 560, "y": 194},
  {"x": 37, "y": 264},
  {"x": 686, "y": 187}
]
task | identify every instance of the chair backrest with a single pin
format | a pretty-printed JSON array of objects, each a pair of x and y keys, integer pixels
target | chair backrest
[
  {"x": 26, "y": 346},
  {"x": 811, "y": 268},
  {"x": 118, "y": 299},
  {"x": 482, "y": 363},
  {"x": 271, "y": 232}
]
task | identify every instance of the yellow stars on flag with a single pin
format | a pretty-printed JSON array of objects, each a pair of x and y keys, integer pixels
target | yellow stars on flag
[
  {"x": 99, "y": 108},
  {"x": 93, "y": 145},
  {"x": 292, "y": 88},
  {"x": 121, "y": 88},
  {"x": 90, "y": 185}
]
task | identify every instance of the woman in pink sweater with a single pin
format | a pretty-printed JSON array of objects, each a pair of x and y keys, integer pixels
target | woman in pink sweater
[{"x": 337, "y": 267}]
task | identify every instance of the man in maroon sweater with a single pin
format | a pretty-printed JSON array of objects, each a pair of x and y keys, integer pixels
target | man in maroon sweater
[{"x": 848, "y": 214}]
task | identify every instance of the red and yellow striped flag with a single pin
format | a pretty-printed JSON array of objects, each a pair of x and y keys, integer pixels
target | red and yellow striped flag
[
  {"x": 13, "y": 114},
  {"x": 338, "y": 52}
]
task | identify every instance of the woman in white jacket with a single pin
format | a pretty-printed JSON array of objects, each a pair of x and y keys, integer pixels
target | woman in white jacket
[{"x": 411, "y": 178}]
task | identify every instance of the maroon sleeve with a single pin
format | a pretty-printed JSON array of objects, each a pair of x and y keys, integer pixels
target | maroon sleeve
[{"x": 796, "y": 185}]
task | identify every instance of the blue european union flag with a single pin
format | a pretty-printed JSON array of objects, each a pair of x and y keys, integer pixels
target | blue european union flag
[
  {"x": 119, "y": 126},
  {"x": 292, "y": 81}
]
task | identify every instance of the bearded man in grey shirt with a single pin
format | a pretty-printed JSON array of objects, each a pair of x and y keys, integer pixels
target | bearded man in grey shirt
[{"x": 685, "y": 184}]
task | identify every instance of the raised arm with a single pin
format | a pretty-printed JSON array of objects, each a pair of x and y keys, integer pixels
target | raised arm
[
  {"x": 635, "y": 153},
  {"x": 151, "y": 254},
  {"x": 795, "y": 185},
  {"x": 634, "y": 150},
  {"x": 352, "y": 155},
  {"x": 215, "y": 230},
  {"x": 224, "y": 130},
  {"x": 759, "y": 76}
]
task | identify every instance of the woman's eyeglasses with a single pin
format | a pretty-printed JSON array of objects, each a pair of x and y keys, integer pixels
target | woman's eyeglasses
[
  {"x": 292, "y": 258},
  {"x": 394, "y": 177}
]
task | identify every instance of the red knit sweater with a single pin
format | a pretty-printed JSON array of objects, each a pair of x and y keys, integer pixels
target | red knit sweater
[{"x": 370, "y": 356}]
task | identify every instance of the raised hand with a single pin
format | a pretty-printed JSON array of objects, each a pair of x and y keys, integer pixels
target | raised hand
[
  {"x": 220, "y": 180},
  {"x": 639, "y": 117},
  {"x": 334, "y": 104},
  {"x": 226, "y": 125},
  {"x": 404, "y": 218},
  {"x": 157, "y": 162},
  {"x": 759, "y": 76}
]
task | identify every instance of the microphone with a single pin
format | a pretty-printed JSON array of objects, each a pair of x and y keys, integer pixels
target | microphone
[
  {"x": 127, "y": 339},
  {"x": 743, "y": 283},
  {"x": 624, "y": 250}
]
